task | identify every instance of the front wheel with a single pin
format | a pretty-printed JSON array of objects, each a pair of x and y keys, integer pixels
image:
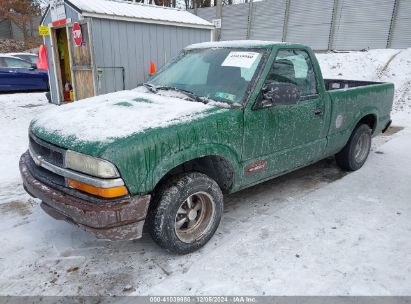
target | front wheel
[
  {"x": 353, "y": 156},
  {"x": 186, "y": 213}
]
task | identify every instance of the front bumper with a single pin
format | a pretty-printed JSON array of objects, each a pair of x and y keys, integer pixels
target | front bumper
[{"x": 119, "y": 220}]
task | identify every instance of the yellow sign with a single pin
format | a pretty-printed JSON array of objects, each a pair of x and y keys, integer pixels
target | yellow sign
[{"x": 44, "y": 30}]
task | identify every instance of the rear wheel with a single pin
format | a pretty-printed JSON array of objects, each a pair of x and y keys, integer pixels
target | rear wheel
[
  {"x": 353, "y": 156},
  {"x": 187, "y": 211}
]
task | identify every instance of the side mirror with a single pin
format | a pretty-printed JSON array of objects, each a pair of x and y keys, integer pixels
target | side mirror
[
  {"x": 33, "y": 66},
  {"x": 279, "y": 93}
]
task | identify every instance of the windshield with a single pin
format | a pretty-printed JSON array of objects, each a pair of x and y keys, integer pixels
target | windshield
[{"x": 218, "y": 74}]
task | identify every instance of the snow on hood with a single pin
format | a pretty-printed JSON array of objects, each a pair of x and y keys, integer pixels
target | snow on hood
[{"x": 107, "y": 117}]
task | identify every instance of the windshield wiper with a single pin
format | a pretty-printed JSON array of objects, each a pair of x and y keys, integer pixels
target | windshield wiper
[
  {"x": 152, "y": 88},
  {"x": 191, "y": 95},
  {"x": 185, "y": 92}
]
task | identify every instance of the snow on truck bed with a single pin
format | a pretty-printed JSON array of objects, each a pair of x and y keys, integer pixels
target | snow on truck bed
[{"x": 116, "y": 115}]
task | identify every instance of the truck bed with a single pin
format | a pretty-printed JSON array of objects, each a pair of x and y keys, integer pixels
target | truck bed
[
  {"x": 350, "y": 100},
  {"x": 336, "y": 84}
]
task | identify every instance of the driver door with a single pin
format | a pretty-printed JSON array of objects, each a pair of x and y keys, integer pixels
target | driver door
[
  {"x": 283, "y": 137},
  {"x": 20, "y": 74}
]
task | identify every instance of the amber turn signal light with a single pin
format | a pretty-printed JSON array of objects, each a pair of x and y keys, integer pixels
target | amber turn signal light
[{"x": 102, "y": 192}]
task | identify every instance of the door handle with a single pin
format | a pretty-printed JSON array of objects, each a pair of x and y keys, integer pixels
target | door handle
[{"x": 319, "y": 111}]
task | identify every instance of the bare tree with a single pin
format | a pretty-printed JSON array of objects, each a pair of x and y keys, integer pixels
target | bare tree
[
  {"x": 43, "y": 4},
  {"x": 21, "y": 13}
]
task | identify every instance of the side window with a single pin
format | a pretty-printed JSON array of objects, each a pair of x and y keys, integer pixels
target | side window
[
  {"x": 15, "y": 63},
  {"x": 294, "y": 66},
  {"x": 2, "y": 63}
]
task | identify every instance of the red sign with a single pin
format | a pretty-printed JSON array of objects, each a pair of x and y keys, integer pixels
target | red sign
[
  {"x": 77, "y": 35},
  {"x": 59, "y": 22}
]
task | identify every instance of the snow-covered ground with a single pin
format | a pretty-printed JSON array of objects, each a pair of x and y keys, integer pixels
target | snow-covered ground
[
  {"x": 16, "y": 112},
  {"x": 316, "y": 231}
]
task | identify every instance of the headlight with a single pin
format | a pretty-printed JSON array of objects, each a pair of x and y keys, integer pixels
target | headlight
[{"x": 90, "y": 165}]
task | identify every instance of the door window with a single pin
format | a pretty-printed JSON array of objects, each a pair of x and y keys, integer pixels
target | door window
[
  {"x": 2, "y": 63},
  {"x": 294, "y": 66},
  {"x": 16, "y": 63}
]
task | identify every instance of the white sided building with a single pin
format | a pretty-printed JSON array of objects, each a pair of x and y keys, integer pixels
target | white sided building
[{"x": 100, "y": 46}]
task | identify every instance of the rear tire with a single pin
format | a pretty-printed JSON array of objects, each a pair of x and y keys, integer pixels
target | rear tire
[
  {"x": 353, "y": 156},
  {"x": 186, "y": 212}
]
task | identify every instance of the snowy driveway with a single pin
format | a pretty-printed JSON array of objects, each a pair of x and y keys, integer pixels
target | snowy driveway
[{"x": 315, "y": 231}]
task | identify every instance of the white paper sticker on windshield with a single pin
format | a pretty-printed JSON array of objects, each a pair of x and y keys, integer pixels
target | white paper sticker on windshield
[{"x": 240, "y": 59}]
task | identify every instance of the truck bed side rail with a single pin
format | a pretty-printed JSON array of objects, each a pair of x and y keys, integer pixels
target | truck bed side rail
[{"x": 336, "y": 84}]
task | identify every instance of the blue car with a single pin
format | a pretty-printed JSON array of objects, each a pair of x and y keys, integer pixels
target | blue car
[{"x": 20, "y": 75}]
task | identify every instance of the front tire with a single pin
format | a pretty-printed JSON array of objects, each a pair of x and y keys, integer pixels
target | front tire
[
  {"x": 186, "y": 213},
  {"x": 353, "y": 156}
]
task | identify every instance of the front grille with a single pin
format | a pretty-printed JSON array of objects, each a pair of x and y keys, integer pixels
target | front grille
[
  {"x": 45, "y": 176},
  {"x": 51, "y": 154},
  {"x": 48, "y": 152}
]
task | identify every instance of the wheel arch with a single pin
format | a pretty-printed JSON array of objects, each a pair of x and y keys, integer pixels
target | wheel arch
[
  {"x": 218, "y": 162},
  {"x": 370, "y": 119}
]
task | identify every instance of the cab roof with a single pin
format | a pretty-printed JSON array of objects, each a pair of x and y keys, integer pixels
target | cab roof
[{"x": 236, "y": 44}]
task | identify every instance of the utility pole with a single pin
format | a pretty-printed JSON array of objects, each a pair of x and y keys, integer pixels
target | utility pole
[
  {"x": 250, "y": 18},
  {"x": 332, "y": 26},
  {"x": 286, "y": 16},
  {"x": 392, "y": 24},
  {"x": 218, "y": 15}
]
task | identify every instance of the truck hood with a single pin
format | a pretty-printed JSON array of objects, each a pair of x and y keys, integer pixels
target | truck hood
[{"x": 91, "y": 125}]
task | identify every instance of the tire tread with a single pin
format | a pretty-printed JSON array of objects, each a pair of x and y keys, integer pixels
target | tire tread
[
  {"x": 159, "y": 221},
  {"x": 344, "y": 158}
]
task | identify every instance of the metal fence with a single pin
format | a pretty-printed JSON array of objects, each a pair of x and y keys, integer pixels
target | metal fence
[
  {"x": 321, "y": 24},
  {"x": 9, "y": 30}
]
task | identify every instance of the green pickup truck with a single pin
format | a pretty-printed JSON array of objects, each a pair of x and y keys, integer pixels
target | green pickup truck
[{"x": 218, "y": 118}]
